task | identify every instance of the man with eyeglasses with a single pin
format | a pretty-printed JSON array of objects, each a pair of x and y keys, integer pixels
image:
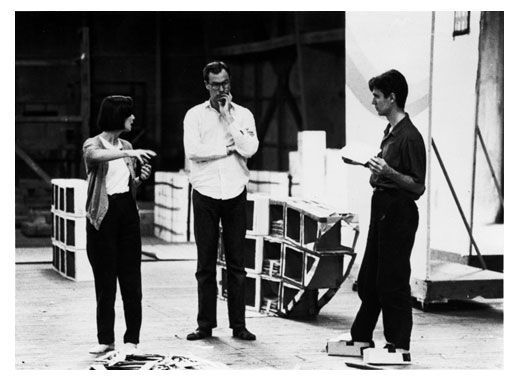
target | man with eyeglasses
[{"x": 219, "y": 137}]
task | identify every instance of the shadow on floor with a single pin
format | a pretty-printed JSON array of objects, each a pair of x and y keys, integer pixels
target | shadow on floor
[{"x": 485, "y": 309}]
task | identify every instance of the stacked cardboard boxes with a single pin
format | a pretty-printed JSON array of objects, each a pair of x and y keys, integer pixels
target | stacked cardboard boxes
[
  {"x": 293, "y": 249},
  {"x": 268, "y": 182},
  {"x": 69, "y": 235},
  {"x": 173, "y": 212}
]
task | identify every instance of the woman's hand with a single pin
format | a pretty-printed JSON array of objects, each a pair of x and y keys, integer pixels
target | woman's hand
[
  {"x": 142, "y": 155},
  {"x": 146, "y": 170}
]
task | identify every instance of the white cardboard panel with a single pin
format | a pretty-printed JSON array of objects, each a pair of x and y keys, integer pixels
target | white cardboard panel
[
  {"x": 260, "y": 213},
  {"x": 311, "y": 148}
]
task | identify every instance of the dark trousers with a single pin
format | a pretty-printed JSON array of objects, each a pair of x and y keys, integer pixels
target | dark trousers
[
  {"x": 231, "y": 213},
  {"x": 384, "y": 275},
  {"x": 114, "y": 253}
]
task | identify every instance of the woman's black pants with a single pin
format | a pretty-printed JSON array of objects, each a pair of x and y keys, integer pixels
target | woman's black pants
[
  {"x": 114, "y": 253},
  {"x": 384, "y": 275}
]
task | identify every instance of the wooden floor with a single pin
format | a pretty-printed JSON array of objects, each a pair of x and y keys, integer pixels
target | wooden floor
[{"x": 55, "y": 326}]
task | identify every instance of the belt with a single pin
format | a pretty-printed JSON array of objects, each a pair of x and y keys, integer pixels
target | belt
[
  {"x": 388, "y": 190},
  {"x": 393, "y": 192}
]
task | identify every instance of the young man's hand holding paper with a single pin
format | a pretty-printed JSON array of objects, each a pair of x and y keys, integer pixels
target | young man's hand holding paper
[{"x": 357, "y": 154}]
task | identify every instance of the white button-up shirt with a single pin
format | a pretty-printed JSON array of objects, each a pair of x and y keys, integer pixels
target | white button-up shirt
[
  {"x": 212, "y": 172},
  {"x": 118, "y": 175}
]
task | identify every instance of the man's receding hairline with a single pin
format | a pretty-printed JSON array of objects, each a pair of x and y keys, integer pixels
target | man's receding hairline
[{"x": 223, "y": 69}]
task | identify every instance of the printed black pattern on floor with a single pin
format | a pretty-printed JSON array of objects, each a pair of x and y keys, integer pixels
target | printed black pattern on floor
[{"x": 120, "y": 361}]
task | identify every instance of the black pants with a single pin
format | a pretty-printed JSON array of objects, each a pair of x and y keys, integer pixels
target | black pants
[
  {"x": 114, "y": 253},
  {"x": 384, "y": 275},
  {"x": 207, "y": 213}
]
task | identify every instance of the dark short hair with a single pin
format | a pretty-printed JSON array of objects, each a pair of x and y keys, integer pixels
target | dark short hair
[
  {"x": 113, "y": 112},
  {"x": 391, "y": 81},
  {"x": 215, "y": 67}
]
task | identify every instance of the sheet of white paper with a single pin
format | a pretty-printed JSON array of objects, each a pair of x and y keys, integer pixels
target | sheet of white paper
[{"x": 358, "y": 152}]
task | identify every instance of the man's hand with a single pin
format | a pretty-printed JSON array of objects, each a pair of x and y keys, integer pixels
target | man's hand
[
  {"x": 224, "y": 105},
  {"x": 146, "y": 170},
  {"x": 231, "y": 149},
  {"x": 378, "y": 165}
]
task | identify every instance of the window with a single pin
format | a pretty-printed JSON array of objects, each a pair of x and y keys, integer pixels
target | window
[{"x": 460, "y": 23}]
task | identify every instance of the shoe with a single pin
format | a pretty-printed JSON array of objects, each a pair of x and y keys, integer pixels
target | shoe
[
  {"x": 101, "y": 349},
  {"x": 199, "y": 334},
  {"x": 243, "y": 334},
  {"x": 389, "y": 354},
  {"x": 130, "y": 349},
  {"x": 343, "y": 346}
]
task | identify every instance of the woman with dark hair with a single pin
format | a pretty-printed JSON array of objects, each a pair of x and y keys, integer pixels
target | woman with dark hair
[{"x": 113, "y": 232}]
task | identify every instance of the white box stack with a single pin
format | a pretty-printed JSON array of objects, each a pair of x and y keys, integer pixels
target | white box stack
[
  {"x": 257, "y": 211},
  {"x": 311, "y": 148},
  {"x": 173, "y": 214},
  {"x": 268, "y": 182},
  {"x": 295, "y": 174},
  {"x": 69, "y": 235},
  {"x": 335, "y": 180}
]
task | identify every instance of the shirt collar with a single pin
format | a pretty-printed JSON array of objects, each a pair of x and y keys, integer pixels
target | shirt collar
[
  {"x": 207, "y": 104},
  {"x": 398, "y": 127},
  {"x": 107, "y": 145}
]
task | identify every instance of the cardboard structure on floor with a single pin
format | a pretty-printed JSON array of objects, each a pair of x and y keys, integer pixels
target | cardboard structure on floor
[{"x": 296, "y": 269}]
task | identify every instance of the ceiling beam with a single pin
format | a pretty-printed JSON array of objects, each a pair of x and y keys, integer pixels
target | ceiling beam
[
  {"x": 326, "y": 36},
  {"x": 48, "y": 119}
]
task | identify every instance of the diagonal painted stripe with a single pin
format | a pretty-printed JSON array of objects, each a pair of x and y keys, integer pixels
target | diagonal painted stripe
[
  {"x": 358, "y": 83},
  {"x": 359, "y": 87}
]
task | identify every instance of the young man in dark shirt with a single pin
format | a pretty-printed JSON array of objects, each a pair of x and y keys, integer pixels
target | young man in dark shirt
[{"x": 398, "y": 177}]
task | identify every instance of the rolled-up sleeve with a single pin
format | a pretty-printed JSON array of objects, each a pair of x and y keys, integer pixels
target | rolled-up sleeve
[
  {"x": 89, "y": 146},
  {"x": 193, "y": 147},
  {"x": 244, "y": 134},
  {"x": 415, "y": 155}
]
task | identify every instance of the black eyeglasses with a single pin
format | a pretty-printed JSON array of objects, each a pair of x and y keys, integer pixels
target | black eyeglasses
[{"x": 216, "y": 86}]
